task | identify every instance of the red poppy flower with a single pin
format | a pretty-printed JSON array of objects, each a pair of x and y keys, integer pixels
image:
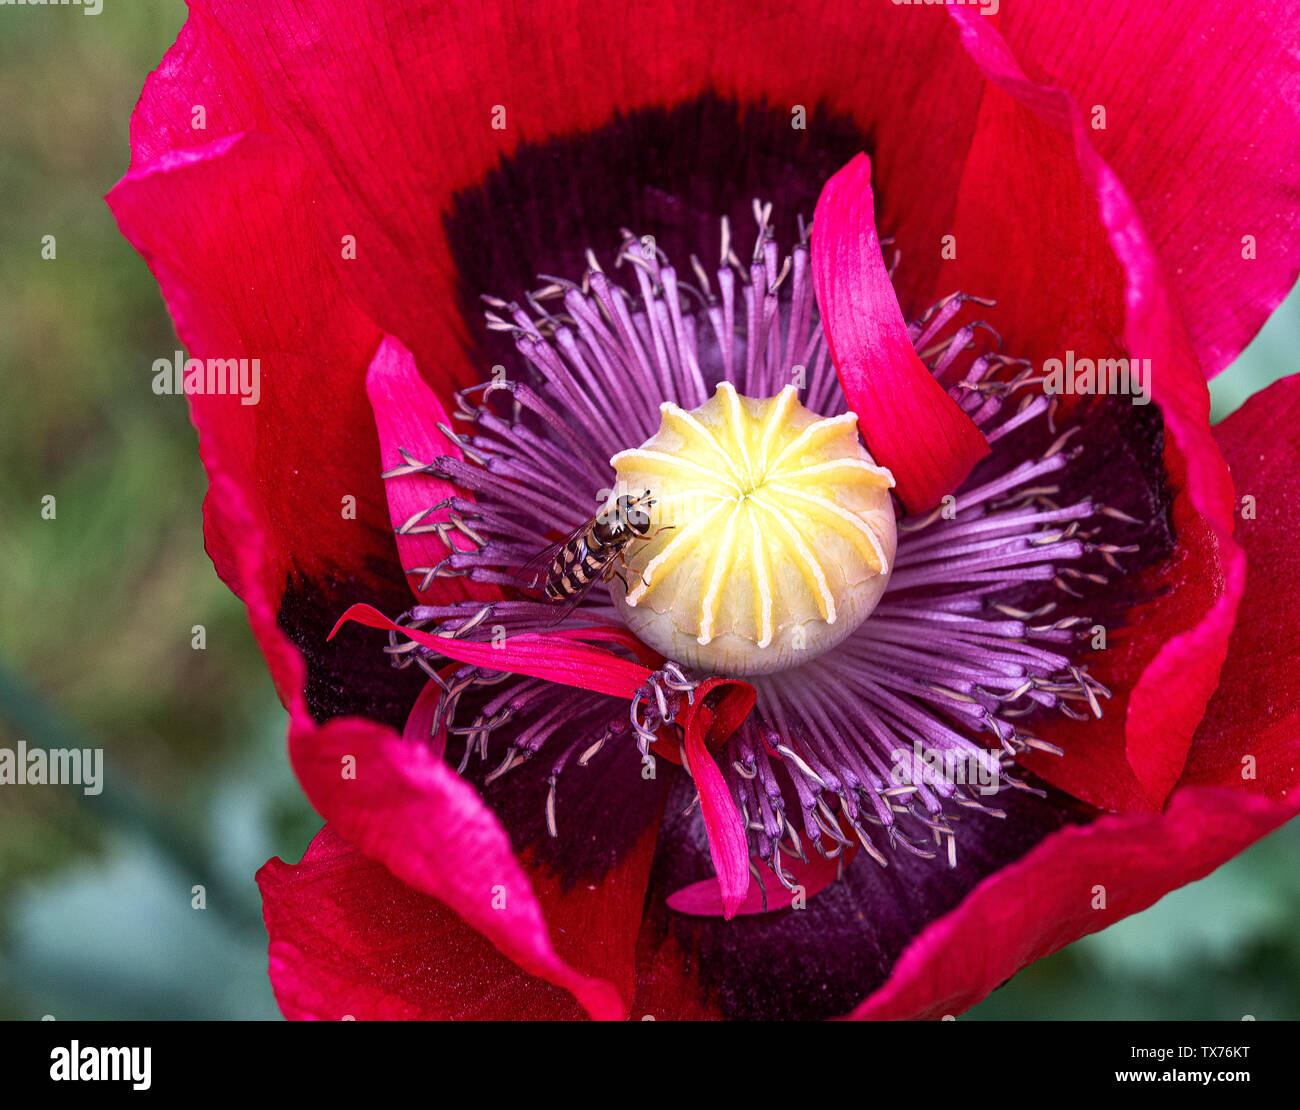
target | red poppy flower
[{"x": 536, "y": 812}]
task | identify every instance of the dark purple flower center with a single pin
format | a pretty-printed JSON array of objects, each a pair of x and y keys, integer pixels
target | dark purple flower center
[{"x": 889, "y": 740}]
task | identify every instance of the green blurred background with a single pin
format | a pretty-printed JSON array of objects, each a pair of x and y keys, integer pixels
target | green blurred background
[{"x": 98, "y": 605}]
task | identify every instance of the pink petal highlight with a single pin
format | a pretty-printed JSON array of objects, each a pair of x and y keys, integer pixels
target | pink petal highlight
[
  {"x": 556, "y": 657},
  {"x": 722, "y": 825},
  {"x": 407, "y": 415},
  {"x": 704, "y": 899},
  {"x": 419, "y": 722},
  {"x": 908, "y": 420}
]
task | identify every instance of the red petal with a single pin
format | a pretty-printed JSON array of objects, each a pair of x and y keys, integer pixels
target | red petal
[
  {"x": 1250, "y": 738},
  {"x": 407, "y": 415},
  {"x": 1201, "y": 106},
  {"x": 402, "y": 806},
  {"x": 349, "y": 939},
  {"x": 246, "y": 235},
  {"x": 1043, "y": 902},
  {"x": 390, "y": 164},
  {"x": 907, "y": 418},
  {"x": 1225, "y": 115},
  {"x": 1052, "y": 897},
  {"x": 226, "y": 229},
  {"x": 1033, "y": 188},
  {"x": 347, "y": 164}
]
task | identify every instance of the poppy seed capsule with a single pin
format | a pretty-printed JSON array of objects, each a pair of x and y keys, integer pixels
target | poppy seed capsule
[{"x": 772, "y": 535}]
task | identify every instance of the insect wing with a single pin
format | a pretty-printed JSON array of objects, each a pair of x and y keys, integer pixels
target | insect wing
[
  {"x": 569, "y": 604},
  {"x": 534, "y": 574}
]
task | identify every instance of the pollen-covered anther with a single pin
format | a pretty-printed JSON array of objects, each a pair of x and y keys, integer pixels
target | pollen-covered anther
[{"x": 773, "y": 534}]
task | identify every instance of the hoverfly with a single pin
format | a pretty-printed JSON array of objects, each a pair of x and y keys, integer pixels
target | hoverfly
[{"x": 595, "y": 551}]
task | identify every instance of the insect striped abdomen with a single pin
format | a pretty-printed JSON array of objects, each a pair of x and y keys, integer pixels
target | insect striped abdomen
[{"x": 575, "y": 567}]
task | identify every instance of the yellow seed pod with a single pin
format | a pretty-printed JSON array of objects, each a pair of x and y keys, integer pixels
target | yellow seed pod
[{"x": 773, "y": 533}]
